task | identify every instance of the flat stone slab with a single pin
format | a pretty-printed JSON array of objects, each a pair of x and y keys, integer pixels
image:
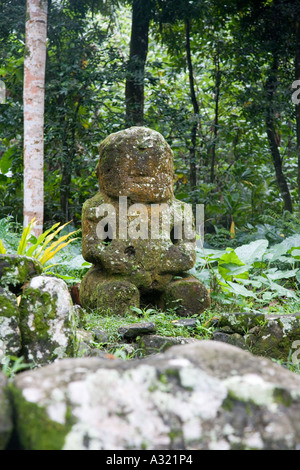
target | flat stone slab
[
  {"x": 154, "y": 344},
  {"x": 137, "y": 329},
  {"x": 187, "y": 322}
]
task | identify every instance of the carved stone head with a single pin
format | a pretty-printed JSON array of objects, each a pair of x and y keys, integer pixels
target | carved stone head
[{"x": 137, "y": 163}]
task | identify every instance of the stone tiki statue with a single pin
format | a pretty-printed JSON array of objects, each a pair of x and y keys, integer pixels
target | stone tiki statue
[{"x": 133, "y": 231}]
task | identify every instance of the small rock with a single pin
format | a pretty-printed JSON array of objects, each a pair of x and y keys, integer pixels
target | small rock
[
  {"x": 95, "y": 352},
  {"x": 188, "y": 295},
  {"x": 153, "y": 344},
  {"x": 240, "y": 322},
  {"x": 100, "y": 336},
  {"x": 235, "y": 339},
  {"x": 137, "y": 329},
  {"x": 188, "y": 322},
  {"x": 79, "y": 315},
  {"x": 16, "y": 270},
  {"x": 84, "y": 336}
]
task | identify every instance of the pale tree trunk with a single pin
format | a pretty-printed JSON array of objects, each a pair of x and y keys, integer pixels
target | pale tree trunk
[{"x": 33, "y": 100}]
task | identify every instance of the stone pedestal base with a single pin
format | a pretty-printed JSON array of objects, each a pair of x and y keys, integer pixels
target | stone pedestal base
[{"x": 116, "y": 294}]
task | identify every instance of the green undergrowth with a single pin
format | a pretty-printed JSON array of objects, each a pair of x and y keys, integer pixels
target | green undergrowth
[
  {"x": 252, "y": 277},
  {"x": 166, "y": 323},
  {"x": 262, "y": 274}
]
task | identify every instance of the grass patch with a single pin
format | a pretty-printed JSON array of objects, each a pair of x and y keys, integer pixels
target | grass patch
[{"x": 165, "y": 322}]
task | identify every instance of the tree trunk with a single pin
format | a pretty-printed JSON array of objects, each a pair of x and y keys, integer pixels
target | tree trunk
[
  {"x": 33, "y": 99},
  {"x": 193, "y": 168},
  {"x": 270, "y": 87},
  {"x": 297, "y": 106},
  {"x": 134, "y": 93},
  {"x": 216, "y": 120},
  {"x": 67, "y": 164}
]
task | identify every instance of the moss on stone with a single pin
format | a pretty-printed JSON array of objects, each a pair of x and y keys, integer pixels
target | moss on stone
[
  {"x": 269, "y": 340},
  {"x": 228, "y": 403},
  {"x": 282, "y": 397},
  {"x": 35, "y": 430},
  {"x": 16, "y": 270},
  {"x": 47, "y": 324},
  {"x": 8, "y": 304},
  {"x": 6, "y": 422},
  {"x": 241, "y": 322},
  {"x": 36, "y": 309},
  {"x": 103, "y": 292},
  {"x": 188, "y": 296}
]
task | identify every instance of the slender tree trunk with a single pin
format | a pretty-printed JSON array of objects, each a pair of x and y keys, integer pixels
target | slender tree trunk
[
  {"x": 271, "y": 85},
  {"x": 33, "y": 99},
  {"x": 193, "y": 168},
  {"x": 216, "y": 120},
  {"x": 67, "y": 165},
  {"x": 134, "y": 92},
  {"x": 297, "y": 106}
]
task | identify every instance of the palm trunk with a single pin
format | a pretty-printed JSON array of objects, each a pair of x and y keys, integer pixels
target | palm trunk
[{"x": 33, "y": 99}]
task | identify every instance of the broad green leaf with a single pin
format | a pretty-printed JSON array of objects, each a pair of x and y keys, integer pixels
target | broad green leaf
[
  {"x": 5, "y": 161},
  {"x": 254, "y": 251},
  {"x": 281, "y": 274},
  {"x": 240, "y": 290},
  {"x": 282, "y": 291},
  {"x": 275, "y": 252},
  {"x": 229, "y": 271},
  {"x": 252, "y": 282},
  {"x": 228, "y": 262},
  {"x": 231, "y": 257},
  {"x": 295, "y": 252},
  {"x": 268, "y": 296}
]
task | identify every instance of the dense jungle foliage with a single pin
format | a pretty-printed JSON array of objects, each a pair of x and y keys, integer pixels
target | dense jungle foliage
[{"x": 218, "y": 82}]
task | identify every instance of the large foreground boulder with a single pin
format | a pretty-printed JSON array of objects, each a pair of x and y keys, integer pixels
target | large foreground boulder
[
  {"x": 6, "y": 423},
  {"x": 206, "y": 395}
]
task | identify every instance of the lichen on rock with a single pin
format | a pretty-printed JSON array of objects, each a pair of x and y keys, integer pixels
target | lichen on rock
[
  {"x": 190, "y": 397},
  {"x": 10, "y": 337},
  {"x": 47, "y": 320},
  {"x": 16, "y": 270}
]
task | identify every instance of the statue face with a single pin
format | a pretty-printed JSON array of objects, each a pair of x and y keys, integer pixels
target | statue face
[{"x": 137, "y": 163}]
